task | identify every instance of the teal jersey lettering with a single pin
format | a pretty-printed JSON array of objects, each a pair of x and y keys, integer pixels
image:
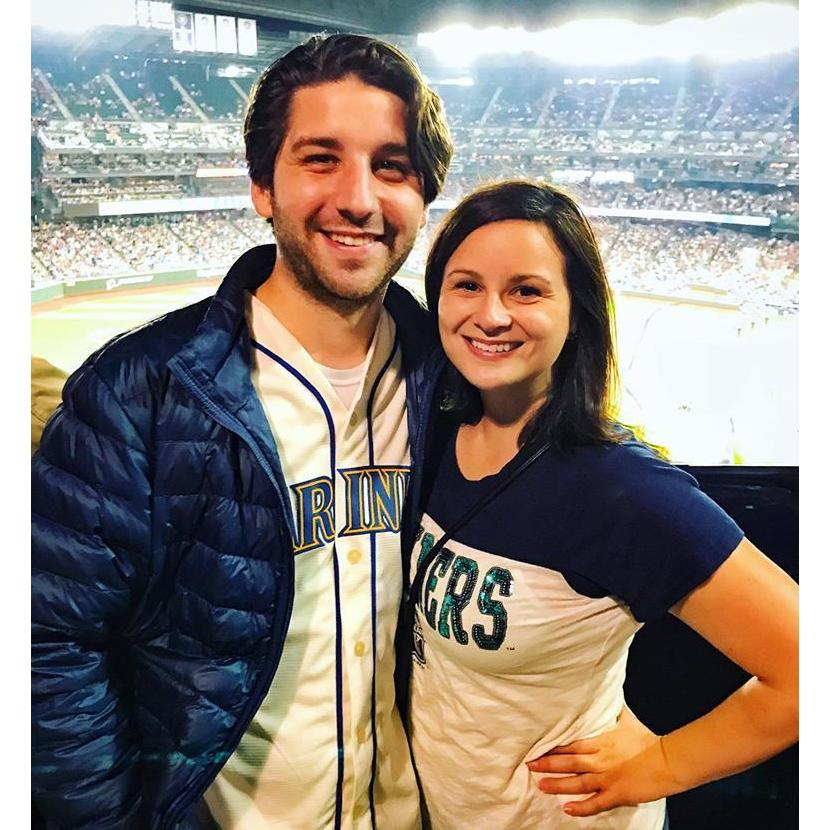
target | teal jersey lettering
[
  {"x": 493, "y": 608},
  {"x": 427, "y": 540},
  {"x": 438, "y": 568},
  {"x": 456, "y": 600}
]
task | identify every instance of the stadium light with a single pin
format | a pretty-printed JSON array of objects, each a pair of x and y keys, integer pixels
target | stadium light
[
  {"x": 464, "y": 80},
  {"x": 746, "y": 32},
  {"x": 60, "y": 16}
]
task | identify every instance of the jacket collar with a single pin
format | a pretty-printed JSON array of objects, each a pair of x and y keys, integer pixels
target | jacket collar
[{"x": 218, "y": 355}]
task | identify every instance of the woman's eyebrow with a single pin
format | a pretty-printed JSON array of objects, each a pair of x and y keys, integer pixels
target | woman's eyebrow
[
  {"x": 468, "y": 271},
  {"x": 519, "y": 277}
]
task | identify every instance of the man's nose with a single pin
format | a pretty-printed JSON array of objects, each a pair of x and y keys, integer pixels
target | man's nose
[{"x": 357, "y": 199}]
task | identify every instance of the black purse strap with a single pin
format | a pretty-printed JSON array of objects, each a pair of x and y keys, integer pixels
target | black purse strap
[{"x": 486, "y": 498}]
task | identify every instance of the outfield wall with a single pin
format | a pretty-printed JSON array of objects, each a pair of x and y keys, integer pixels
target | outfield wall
[
  {"x": 687, "y": 299},
  {"x": 411, "y": 279},
  {"x": 101, "y": 285},
  {"x": 702, "y": 379}
]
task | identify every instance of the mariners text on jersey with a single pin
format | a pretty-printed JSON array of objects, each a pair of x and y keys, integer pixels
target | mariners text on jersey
[{"x": 374, "y": 504}]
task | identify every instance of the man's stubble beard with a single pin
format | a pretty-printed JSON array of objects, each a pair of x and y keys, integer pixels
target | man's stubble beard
[{"x": 313, "y": 280}]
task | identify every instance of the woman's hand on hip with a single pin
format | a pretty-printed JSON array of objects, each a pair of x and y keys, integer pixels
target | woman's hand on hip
[{"x": 620, "y": 767}]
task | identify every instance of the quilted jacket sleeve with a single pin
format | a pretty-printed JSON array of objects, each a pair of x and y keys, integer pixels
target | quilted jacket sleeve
[{"x": 90, "y": 543}]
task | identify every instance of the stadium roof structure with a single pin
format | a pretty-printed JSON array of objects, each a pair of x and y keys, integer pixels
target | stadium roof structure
[
  {"x": 405, "y": 17},
  {"x": 500, "y": 29}
]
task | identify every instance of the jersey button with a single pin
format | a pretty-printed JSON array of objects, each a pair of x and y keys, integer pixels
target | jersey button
[
  {"x": 354, "y": 556},
  {"x": 360, "y": 734},
  {"x": 360, "y": 648}
]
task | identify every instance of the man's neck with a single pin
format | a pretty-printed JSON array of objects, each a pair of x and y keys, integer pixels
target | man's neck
[{"x": 334, "y": 338}]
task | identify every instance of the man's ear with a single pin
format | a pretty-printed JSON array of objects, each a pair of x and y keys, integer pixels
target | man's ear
[
  {"x": 424, "y": 217},
  {"x": 261, "y": 197}
]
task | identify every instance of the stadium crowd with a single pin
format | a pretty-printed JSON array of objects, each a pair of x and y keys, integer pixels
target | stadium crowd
[
  {"x": 95, "y": 190},
  {"x": 657, "y": 195},
  {"x": 665, "y": 259},
  {"x": 140, "y": 244},
  {"x": 732, "y": 200},
  {"x": 725, "y": 145}
]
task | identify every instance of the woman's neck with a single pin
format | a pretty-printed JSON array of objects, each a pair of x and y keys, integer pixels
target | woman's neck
[
  {"x": 483, "y": 448},
  {"x": 516, "y": 404}
]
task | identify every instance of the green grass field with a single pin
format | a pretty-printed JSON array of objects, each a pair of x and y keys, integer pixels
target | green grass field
[
  {"x": 711, "y": 385},
  {"x": 66, "y": 331}
]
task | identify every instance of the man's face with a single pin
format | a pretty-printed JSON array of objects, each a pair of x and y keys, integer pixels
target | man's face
[{"x": 345, "y": 201}]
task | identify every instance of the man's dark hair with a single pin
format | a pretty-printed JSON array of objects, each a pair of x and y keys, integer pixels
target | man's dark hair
[
  {"x": 325, "y": 59},
  {"x": 578, "y": 410}
]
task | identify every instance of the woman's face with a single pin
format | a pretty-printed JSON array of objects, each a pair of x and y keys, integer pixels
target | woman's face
[{"x": 504, "y": 308}]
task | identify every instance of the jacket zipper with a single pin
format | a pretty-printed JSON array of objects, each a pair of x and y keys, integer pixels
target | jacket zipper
[
  {"x": 418, "y": 453},
  {"x": 185, "y": 799}
]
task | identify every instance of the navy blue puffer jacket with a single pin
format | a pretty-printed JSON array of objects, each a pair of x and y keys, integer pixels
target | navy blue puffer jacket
[{"x": 162, "y": 561}]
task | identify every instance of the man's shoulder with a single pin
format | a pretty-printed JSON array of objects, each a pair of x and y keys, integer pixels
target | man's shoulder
[
  {"x": 416, "y": 333},
  {"x": 132, "y": 359},
  {"x": 401, "y": 301},
  {"x": 154, "y": 343}
]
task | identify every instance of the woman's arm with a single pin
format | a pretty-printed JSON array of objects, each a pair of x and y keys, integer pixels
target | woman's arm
[{"x": 748, "y": 609}]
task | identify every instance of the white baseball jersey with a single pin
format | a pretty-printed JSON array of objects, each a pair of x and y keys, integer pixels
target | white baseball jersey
[
  {"x": 526, "y": 615},
  {"x": 327, "y": 748}
]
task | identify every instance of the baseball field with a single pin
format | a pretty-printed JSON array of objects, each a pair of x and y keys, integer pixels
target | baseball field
[{"x": 712, "y": 385}]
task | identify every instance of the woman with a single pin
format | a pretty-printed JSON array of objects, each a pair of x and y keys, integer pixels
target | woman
[{"x": 565, "y": 535}]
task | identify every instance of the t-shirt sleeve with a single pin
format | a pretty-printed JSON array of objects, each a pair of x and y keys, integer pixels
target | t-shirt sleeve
[{"x": 657, "y": 536}]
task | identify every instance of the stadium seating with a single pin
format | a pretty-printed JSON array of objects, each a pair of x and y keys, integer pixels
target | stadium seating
[{"x": 127, "y": 127}]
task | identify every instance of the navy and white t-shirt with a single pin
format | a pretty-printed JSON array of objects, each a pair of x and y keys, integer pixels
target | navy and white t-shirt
[{"x": 525, "y": 618}]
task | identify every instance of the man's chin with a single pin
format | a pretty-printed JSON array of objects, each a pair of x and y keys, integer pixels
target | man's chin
[
  {"x": 348, "y": 291},
  {"x": 347, "y": 285},
  {"x": 358, "y": 295}
]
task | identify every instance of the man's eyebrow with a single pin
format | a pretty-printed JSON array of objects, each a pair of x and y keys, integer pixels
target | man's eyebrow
[
  {"x": 392, "y": 148},
  {"x": 316, "y": 141}
]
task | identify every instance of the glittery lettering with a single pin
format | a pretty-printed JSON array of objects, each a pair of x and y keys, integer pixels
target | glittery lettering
[
  {"x": 455, "y": 600},
  {"x": 438, "y": 568},
  {"x": 493, "y": 608}
]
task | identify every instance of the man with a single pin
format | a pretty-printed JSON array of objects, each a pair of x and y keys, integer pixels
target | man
[{"x": 218, "y": 504}]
